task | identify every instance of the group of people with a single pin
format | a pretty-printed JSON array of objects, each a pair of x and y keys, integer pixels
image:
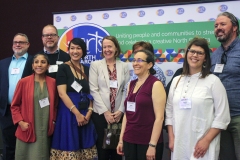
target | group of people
[{"x": 54, "y": 107}]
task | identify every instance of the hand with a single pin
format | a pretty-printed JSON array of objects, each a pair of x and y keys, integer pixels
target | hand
[
  {"x": 151, "y": 152},
  {"x": 120, "y": 149},
  {"x": 201, "y": 148},
  {"x": 24, "y": 125},
  {"x": 171, "y": 144},
  {"x": 109, "y": 117},
  {"x": 80, "y": 119},
  {"x": 117, "y": 116}
]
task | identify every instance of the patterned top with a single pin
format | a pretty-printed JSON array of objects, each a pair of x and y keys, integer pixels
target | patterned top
[{"x": 113, "y": 91}]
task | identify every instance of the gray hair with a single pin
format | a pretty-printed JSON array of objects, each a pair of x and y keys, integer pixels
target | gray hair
[
  {"x": 21, "y": 34},
  {"x": 233, "y": 19}
]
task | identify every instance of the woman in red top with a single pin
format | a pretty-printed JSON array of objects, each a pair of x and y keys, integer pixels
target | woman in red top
[
  {"x": 144, "y": 106},
  {"x": 34, "y": 110}
]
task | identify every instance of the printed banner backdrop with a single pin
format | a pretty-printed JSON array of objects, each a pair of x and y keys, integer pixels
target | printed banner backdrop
[{"x": 168, "y": 28}]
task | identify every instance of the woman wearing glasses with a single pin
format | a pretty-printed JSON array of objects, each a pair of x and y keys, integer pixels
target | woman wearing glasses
[
  {"x": 144, "y": 106},
  {"x": 197, "y": 107}
]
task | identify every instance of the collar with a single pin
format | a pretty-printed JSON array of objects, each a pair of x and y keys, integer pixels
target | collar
[
  {"x": 45, "y": 51},
  {"x": 25, "y": 56},
  {"x": 236, "y": 40}
]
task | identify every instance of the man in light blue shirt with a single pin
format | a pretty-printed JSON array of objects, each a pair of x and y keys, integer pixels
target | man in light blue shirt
[{"x": 12, "y": 69}]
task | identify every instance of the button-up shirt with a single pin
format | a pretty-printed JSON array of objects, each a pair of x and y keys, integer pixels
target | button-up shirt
[
  {"x": 230, "y": 75},
  {"x": 13, "y": 79}
]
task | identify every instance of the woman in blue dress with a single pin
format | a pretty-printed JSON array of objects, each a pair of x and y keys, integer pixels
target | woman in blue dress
[{"x": 74, "y": 136}]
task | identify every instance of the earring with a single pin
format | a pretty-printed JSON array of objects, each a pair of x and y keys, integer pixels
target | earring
[{"x": 204, "y": 65}]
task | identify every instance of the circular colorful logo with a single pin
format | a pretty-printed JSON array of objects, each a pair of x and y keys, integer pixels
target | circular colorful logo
[
  {"x": 58, "y": 19},
  {"x": 169, "y": 22},
  {"x": 223, "y": 8},
  {"x": 169, "y": 72},
  {"x": 141, "y": 13},
  {"x": 73, "y": 18},
  {"x": 92, "y": 34},
  {"x": 88, "y": 16},
  {"x": 132, "y": 24},
  {"x": 123, "y": 14},
  {"x": 160, "y": 12},
  {"x": 180, "y": 11},
  {"x": 211, "y": 19},
  {"x": 201, "y": 9},
  {"x": 105, "y": 16},
  {"x": 190, "y": 20},
  {"x": 150, "y": 23}
]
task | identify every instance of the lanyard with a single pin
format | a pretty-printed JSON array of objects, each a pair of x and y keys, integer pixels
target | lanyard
[{"x": 137, "y": 92}]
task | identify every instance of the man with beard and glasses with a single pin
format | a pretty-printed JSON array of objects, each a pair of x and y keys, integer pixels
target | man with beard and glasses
[
  {"x": 12, "y": 69},
  {"x": 226, "y": 65},
  {"x": 55, "y": 55}
]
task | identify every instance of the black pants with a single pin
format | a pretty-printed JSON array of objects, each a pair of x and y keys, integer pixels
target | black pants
[
  {"x": 138, "y": 151},
  {"x": 8, "y": 135},
  {"x": 103, "y": 154}
]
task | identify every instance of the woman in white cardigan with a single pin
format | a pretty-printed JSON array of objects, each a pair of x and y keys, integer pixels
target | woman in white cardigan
[
  {"x": 197, "y": 107},
  {"x": 107, "y": 78}
]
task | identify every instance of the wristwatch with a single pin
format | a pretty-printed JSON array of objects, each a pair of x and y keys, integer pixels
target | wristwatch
[{"x": 152, "y": 145}]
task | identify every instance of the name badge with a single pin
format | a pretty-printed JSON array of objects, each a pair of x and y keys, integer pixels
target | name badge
[
  {"x": 59, "y": 62},
  {"x": 131, "y": 106},
  {"x": 76, "y": 86},
  {"x": 218, "y": 68},
  {"x": 44, "y": 102},
  {"x": 53, "y": 68},
  {"x": 113, "y": 84},
  {"x": 185, "y": 103},
  {"x": 15, "y": 71}
]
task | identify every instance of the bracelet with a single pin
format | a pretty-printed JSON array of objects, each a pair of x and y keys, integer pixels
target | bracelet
[
  {"x": 72, "y": 108},
  {"x": 90, "y": 108},
  {"x": 120, "y": 142},
  {"x": 152, "y": 145}
]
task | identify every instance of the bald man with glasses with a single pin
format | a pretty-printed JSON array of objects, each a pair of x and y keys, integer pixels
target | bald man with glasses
[{"x": 56, "y": 56}]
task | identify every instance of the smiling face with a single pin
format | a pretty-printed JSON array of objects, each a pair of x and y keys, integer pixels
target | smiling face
[
  {"x": 140, "y": 65},
  {"x": 20, "y": 45},
  {"x": 109, "y": 49},
  {"x": 49, "y": 38},
  {"x": 40, "y": 65},
  {"x": 224, "y": 30},
  {"x": 75, "y": 52},
  {"x": 195, "y": 60}
]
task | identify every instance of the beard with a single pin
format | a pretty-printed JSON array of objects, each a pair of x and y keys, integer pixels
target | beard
[
  {"x": 19, "y": 52},
  {"x": 226, "y": 37}
]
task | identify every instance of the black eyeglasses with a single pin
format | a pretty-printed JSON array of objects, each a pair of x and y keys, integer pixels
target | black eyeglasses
[
  {"x": 224, "y": 58},
  {"x": 19, "y": 42},
  {"x": 138, "y": 60},
  {"x": 49, "y": 35},
  {"x": 192, "y": 52}
]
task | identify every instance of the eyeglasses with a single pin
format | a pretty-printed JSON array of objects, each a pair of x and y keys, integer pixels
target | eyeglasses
[
  {"x": 49, "y": 35},
  {"x": 19, "y": 42},
  {"x": 192, "y": 52},
  {"x": 138, "y": 60},
  {"x": 224, "y": 58}
]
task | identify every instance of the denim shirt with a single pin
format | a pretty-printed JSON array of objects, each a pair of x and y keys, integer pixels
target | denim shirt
[{"x": 230, "y": 75}]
